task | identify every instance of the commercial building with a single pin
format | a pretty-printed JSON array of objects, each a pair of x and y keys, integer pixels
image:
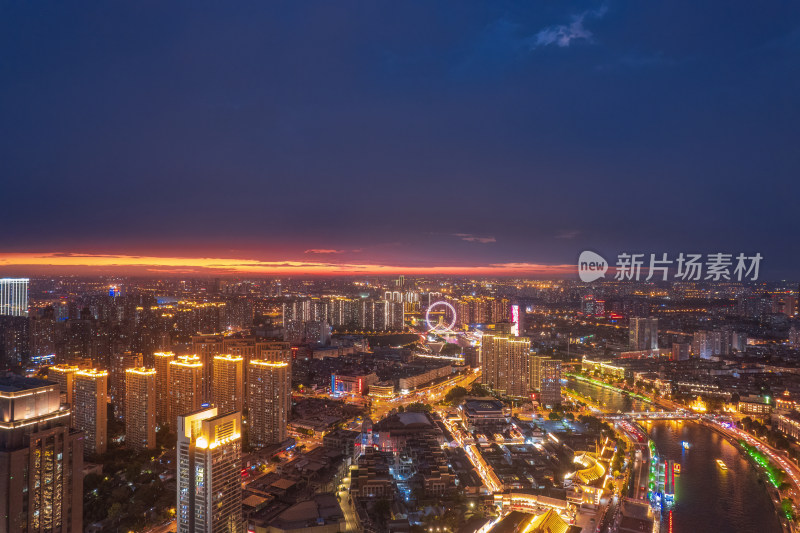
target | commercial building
[
  {"x": 14, "y": 296},
  {"x": 140, "y": 411},
  {"x": 269, "y": 384},
  {"x": 209, "y": 458},
  {"x": 91, "y": 409},
  {"x": 546, "y": 379},
  {"x": 643, "y": 334},
  {"x": 41, "y": 459}
]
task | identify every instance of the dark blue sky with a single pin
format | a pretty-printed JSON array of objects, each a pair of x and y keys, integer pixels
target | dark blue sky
[{"x": 418, "y": 133}]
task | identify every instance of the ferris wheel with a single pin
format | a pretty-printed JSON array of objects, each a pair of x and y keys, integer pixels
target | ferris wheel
[{"x": 440, "y": 326}]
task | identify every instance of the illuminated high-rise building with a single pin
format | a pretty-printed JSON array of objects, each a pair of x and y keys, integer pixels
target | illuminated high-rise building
[
  {"x": 228, "y": 391},
  {"x": 161, "y": 362},
  {"x": 545, "y": 374},
  {"x": 120, "y": 362},
  {"x": 269, "y": 384},
  {"x": 643, "y": 334},
  {"x": 504, "y": 359},
  {"x": 91, "y": 409},
  {"x": 14, "y": 296},
  {"x": 206, "y": 347},
  {"x": 209, "y": 458},
  {"x": 140, "y": 408},
  {"x": 41, "y": 459},
  {"x": 185, "y": 387},
  {"x": 64, "y": 375}
]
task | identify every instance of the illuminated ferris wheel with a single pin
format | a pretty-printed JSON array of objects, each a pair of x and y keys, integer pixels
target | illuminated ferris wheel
[{"x": 440, "y": 326}]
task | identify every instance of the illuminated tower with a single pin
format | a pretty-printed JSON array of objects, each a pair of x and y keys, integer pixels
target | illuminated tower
[
  {"x": 228, "y": 391},
  {"x": 281, "y": 352},
  {"x": 91, "y": 409},
  {"x": 64, "y": 375},
  {"x": 643, "y": 334},
  {"x": 546, "y": 379},
  {"x": 206, "y": 347},
  {"x": 14, "y": 296},
  {"x": 268, "y": 387},
  {"x": 209, "y": 458},
  {"x": 185, "y": 387},
  {"x": 140, "y": 408},
  {"x": 162, "y": 361},
  {"x": 41, "y": 459}
]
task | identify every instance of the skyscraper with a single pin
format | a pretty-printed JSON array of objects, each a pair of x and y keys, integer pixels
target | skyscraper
[
  {"x": 140, "y": 408},
  {"x": 161, "y": 363},
  {"x": 209, "y": 461},
  {"x": 120, "y": 362},
  {"x": 268, "y": 387},
  {"x": 91, "y": 409},
  {"x": 41, "y": 459},
  {"x": 546, "y": 379},
  {"x": 505, "y": 362},
  {"x": 14, "y": 296},
  {"x": 228, "y": 392},
  {"x": 643, "y": 333},
  {"x": 206, "y": 347},
  {"x": 185, "y": 387}
]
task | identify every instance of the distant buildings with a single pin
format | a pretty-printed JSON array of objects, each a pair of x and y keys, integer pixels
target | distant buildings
[
  {"x": 269, "y": 389},
  {"x": 209, "y": 462},
  {"x": 41, "y": 459},
  {"x": 140, "y": 410},
  {"x": 14, "y": 296},
  {"x": 91, "y": 409},
  {"x": 643, "y": 333}
]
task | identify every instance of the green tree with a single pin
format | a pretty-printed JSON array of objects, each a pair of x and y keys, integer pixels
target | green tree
[{"x": 455, "y": 395}]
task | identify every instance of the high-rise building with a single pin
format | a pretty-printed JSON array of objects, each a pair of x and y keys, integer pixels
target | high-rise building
[
  {"x": 269, "y": 384},
  {"x": 14, "y": 296},
  {"x": 546, "y": 379},
  {"x": 161, "y": 362},
  {"x": 209, "y": 457},
  {"x": 504, "y": 359},
  {"x": 185, "y": 387},
  {"x": 91, "y": 409},
  {"x": 140, "y": 408},
  {"x": 206, "y": 347},
  {"x": 643, "y": 334},
  {"x": 64, "y": 375},
  {"x": 120, "y": 362},
  {"x": 41, "y": 460},
  {"x": 228, "y": 392}
]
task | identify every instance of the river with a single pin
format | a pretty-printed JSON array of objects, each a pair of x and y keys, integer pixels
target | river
[{"x": 707, "y": 498}]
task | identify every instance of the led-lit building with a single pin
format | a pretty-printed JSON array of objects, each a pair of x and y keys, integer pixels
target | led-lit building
[
  {"x": 64, "y": 375},
  {"x": 161, "y": 362},
  {"x": 546, "y": 379},
  {"x": 14, "y": 296},
  {"x": 91, "y": 409},
  {"x": 206, "y": 347},
  {"x": 269, "y": 384},
  {"x": 227, "y": 394},
  {"x": 505, "y": 363},
  {"x": 41, "y": 460},
  {"x": 140, "y": 410},
  {"x": 185, "y": 387},
  {"x": 209, "y": 458}
]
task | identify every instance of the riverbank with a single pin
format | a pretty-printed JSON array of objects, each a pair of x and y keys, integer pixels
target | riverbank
[{"x": 630, "y": 394}]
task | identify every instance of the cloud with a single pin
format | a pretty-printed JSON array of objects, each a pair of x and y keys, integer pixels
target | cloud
[
  {"x": 474, "y": 238},
  {"x": 562, "y": 35},
  {"x": 323, "y": 251},
  {"x": 567, "y": 234}
]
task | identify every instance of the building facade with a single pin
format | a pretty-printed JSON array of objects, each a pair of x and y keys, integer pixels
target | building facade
[{"x": 140, "y": 411}]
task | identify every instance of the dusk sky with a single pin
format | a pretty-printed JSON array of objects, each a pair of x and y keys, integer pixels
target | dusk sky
[{"x": 398, "y": 136}]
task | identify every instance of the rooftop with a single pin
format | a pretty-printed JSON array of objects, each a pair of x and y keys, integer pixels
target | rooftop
[{"x": 18, "y": 383}]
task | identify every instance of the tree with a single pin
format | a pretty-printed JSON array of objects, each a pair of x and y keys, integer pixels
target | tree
[
  {"x": 455, "y": 395},
  {"x": 554, "y": 416}
]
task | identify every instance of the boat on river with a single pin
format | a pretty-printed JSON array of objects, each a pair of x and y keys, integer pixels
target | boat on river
[{"x": 722, "y": 464}]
